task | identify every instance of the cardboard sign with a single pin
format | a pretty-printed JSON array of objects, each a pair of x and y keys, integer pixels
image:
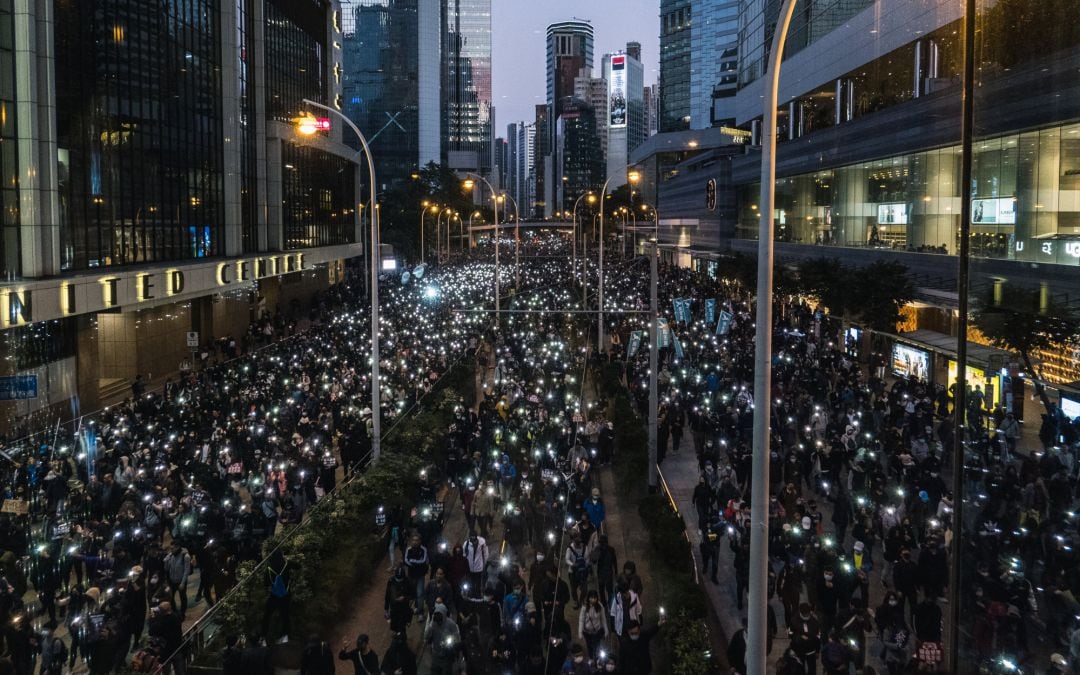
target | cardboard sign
[{"x": 19, "y": 507}]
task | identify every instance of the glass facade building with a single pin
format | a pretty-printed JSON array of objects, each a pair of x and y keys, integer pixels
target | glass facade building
[
  {"x": 468, "y": 134},
  {"x": 714, "y": 62},
  {"x": 139, "y": 126},
  {"x": 9, "y": 161},
  {"x": 675, "y": 35}
]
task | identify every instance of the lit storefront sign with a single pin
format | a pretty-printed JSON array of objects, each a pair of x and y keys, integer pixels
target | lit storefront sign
[{"x": 910, "y": 362}]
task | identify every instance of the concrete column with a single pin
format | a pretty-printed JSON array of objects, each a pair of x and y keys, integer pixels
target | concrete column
[
  {"x": 257, "y": 94},
  {"x": 231, "y": 127},
  {"x": 275, "y": 216},
  {"x": 88, "y": 364},
  {"x": 39, "y": 222}
]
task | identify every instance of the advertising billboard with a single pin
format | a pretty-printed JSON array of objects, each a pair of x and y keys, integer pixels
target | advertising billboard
[
  {"x": 892, "y": 214},
  {"x": 617, "y": 93},
  {"x": 993, "y": 211},
  {"x": 910, "y": 362}
]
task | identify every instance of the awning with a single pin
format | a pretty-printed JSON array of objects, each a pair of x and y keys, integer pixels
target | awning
[{"x": 978, "y": 354}]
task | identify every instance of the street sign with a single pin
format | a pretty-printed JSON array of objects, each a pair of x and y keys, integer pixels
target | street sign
[
  {"x": 193, "y": 339},
  {"x": 18, "y": 387}
]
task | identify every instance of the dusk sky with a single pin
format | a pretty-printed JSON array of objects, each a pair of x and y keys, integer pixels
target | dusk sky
[{"x": 519, "y": 28}]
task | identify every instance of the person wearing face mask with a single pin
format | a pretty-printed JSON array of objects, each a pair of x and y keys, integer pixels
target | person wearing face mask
[
  {"x": 608, "y": 664},
  {"x": 444, "y": 640},
  {"x": 634, "y": 648},
  {"x": 828, "y": 598},
  {"x": 806, "y": 638},
  {"x": 593, "y": 624},
  {"x": 594, "y": 509},
  {"x": 476, "y": 554},
  {"x": 905, "y": 580},
  {"x": 604, "y": 558},
  {"x": 577, "y": 663}
]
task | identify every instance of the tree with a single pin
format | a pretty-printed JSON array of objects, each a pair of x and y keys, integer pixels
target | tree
[
  {"x": 830, "y": 281},
  {"x": 879, "y": 291},
  {"x": 400, "y": 207},
  {"x": 1019, "y": 319}
]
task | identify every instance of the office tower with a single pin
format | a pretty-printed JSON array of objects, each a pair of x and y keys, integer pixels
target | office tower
[
  {"x": 651, "y": 101},
  {"x": 520, "y": 141},
  {"x": 569, "y": 51},
  {"x": 577, "y": 153},
  {"x": 593, "y": 90},
  {"x": 714, "y": 62},
  {"x": 467, "y": 113},
  {"x": 633, "y": 49},
  {"x": 625, "y": 112},
  {"x": 390, "y": 81},
  {"x": 152, "y": 185},
  {"x": 675, "y": 24},
  {"x": 542, "y": 202}
]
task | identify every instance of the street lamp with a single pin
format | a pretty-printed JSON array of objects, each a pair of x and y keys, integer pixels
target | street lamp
[
  {"x": 438, "y": 232},
  {"x": 423, "y": 211},
  {"x": 756, "y": 625},
  {"x": 306, "y": 126},
  {"x": 471, "y": 215},
  {"x": 633, "y": 177},
  {"x": 573, "y": 255},
  {"x": 517, "y": 242},
  {"x": 468, "y": 184}
]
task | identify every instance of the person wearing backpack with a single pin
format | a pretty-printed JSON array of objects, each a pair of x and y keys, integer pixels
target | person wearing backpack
[
  {"x": 277, "y": 571},
  {"x": 579, "y": 570},
  {"x": 364, "y": 659},
  {"x": 593, "y": 624}
]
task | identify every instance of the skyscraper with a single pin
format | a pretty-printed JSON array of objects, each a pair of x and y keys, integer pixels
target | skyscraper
[
  {"x": 569, "y": 53},
  {"x": 466, "y": 85},
  {"x": 569, "y": 50},
  {"x": 675, "y": 24},
  {"x": 651, "y": 98},
  {"x": 714, "y": 62},
  {"x": 625, "y": 111},
  {"x": 577, "y": 153},
  {"x": 542, "y": 164},
  {"x": 593, "y": 90},
  {"x": 520, "y": 137},
  {"x": 390, "y": 81}
]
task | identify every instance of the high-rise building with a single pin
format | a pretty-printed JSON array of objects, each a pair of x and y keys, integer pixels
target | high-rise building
[
  {"x": 390, "y": 81},
  {"x": 675, "y": 34},
  {"x": 625, "y": 111},
  {"x": 520, "y": 138},
  {"x": 152, "y": 185},
  {"x": 467, "y": 113},
  {"x": 714, "y": 62},
  {"x": 569, "y": 51},
  {"x": 651, "y": 100},
  {"x": 593, "y": 90},
  {"x": 502, "y": 161},
  {"x": 577, "y": 153},
  {"x": 542, "y": 163}
]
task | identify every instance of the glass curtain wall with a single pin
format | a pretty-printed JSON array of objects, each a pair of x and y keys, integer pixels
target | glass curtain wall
[{"x": 139, "y": 131}]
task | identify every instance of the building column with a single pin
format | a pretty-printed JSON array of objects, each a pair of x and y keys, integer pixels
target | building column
[
  {"x": 263, "y": 145},
  {"x": 232, "y": 129},
  {"x": 88, "y": 364},
  {"x": 275, "y": 213},
  {"x": 39, "y": 222},
  {"x": 852, "y": 216}
]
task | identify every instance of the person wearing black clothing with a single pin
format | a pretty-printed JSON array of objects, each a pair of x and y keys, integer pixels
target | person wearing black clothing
[
  {"x": 364, "y": 659},
  {"x": 634, "y": 648},
  {"x": 165, "y": 624},
  {"x": 736, "y": 652},
  {"x": 317, "y": 658},
  {"x": 231, "y": 657},
  {"x": 927, "y": 620},
  {"x": 399, "y": 659},
  {"x": 278, "y": 574},
  {"x": 606, "y": 566},
  {"x": 806, "y": 638}
]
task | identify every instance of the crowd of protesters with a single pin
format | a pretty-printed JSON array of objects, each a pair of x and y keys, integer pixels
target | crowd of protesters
[{"x": 860, "y": 502}]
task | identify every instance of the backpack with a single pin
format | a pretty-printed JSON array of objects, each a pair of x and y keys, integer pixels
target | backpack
[
  {"x": 151, "y": 518},
  {"x": 279, "y": 588},
  {"x": 581, "y": 568}
]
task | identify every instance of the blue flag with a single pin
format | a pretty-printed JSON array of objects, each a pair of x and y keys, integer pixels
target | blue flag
[
  {"x": 678, "y": 347},
  {"x": 635, "y": 343},
  {"x": 664, "y": 330},
  {"x": 724, "y": 324},
  {"x": 710, "y": 311}
]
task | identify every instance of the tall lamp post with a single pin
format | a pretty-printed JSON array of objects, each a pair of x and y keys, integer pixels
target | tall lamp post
[
  {"x": 633, "y": 177},
  {"x": 759, "y": 499},
  {"x": 517, "y": 242},
  {"x": 591, "y": 199},
  {"x": 438, "y": 231},
  {"x": 423, "y": 212},
  {"x": 471, "y": 215},
  {"x": 308, "y": 126},
  {"x": 469, "y": 183}
]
